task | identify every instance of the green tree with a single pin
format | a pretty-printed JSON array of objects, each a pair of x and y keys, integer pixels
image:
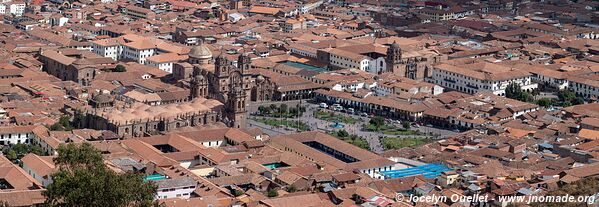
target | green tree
[
  {"x": 237, "y": 192},
  {"x": 63, "y": 124},
  {"x": 78, "y": 120},
  {"x": 293, "y": 111},
  {"x": 291, "y": 189},
  {"x": 283, "y": 108},
  {"x": 342, "y": 133},
  {"x": 565, "y": 95},
  {"x": 545, "y": 102},
  {"x": 272, "y": 193},
  {"x": 569, "y": 98},
  {"x": 262, "y": 110},
  {"x": 15, "y": 152},
  {"x": 578, "y": 100},
  {"x": 82, "y": 179},
  {"x": 514, "y": 91},
  {"x": 377, "y": 122},
  {"x": 584, "y": 187},
  {"x": 406, "y": 125},
  {"x": 11, "y": 155},
  {"x": 120, "y": 68},
  {"x": 273, "y": 107}
]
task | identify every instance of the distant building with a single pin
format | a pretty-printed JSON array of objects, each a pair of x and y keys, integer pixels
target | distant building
[{"x": 481, "y": 77}]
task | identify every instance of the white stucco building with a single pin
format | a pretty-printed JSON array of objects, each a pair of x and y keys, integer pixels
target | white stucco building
[
  {"x": 139, "y": 48},
  {"x": 345, "y": 59},
  {"x": 481, "y": 77},
  {"x": 181, "y": 187},
  {"x": 39, "y": 167},
  {"x": 16, "y": 135}
]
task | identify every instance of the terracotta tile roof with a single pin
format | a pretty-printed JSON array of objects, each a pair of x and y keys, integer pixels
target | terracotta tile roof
[
  {"x": 264, "y": 10},
  {"x": 42, "y": 165}
]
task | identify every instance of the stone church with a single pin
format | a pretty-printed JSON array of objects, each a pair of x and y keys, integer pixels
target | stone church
[
  {"x": 225, "y": 82},
  {"x": 416, "y": 64}
]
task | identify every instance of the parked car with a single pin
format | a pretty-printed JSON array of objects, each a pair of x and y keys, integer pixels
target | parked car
[
  {"x": 324, "y": 105},
  {"x": 350, "y": 110},
  {"x": 363, "y": 114}
]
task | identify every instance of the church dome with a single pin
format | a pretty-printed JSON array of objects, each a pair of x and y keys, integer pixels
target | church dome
[
  {"x": 260, "y": 79},
  {"x": 200, "y": 51}
]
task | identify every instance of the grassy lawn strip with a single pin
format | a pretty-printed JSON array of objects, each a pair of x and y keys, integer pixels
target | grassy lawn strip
[
  {"x": 391, "y": 143},
  {"x": 287, "y": 123},
  {"x": 389, "y": 130},
  {"x": 330, "y": 116},
  {"x": 400, "y": 132}
]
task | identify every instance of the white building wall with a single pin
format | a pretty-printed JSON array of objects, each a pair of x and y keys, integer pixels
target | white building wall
[
  {"x": 15, "y": 138},
  {"x": 213, "y": 143},
  {"x": 44, "y": 181},
  {"x": 183, "y": 193},
  {"x": 376, "y": 66},
  {"x": 137, "y": 55},
  {"x": 374, "y": 172},
  {"x": 113, "y": 52},
  {"x": 587, "y": 91},
  {"x": 17, "y": 9},
  {"x": 344, "y": 62},
  {"x": 471, "y": 85}
]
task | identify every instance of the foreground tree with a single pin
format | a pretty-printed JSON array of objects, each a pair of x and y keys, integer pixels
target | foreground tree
[
  {"x": 82, "y": 179},
  {"x": 584, "y": 187}
]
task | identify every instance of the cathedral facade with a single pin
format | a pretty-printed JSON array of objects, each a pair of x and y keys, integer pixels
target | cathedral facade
[
  {"x": 413, "y": 64},
  {"x": 226, "y": 83}
]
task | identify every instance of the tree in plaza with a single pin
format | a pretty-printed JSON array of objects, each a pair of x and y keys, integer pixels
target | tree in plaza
[
  {"x": 406, "y": 125},
  {"x": 82, "y": 179},
  {"x": 545, "y": 102},
  {"x": 263, "y": 110},
  {"x": 283, "y": 108},
  {"x": 342, "y": 133},
  {"x": 569, "y": 98},
  {"x": 514, "y": 91},
  {"x": 377, "y": 122},
  {"x": 273, "y": 107},
  {"x": 293, "y": 111}
]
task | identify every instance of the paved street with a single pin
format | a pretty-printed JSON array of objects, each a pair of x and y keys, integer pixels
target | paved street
[{"x": 316, "y": 124}]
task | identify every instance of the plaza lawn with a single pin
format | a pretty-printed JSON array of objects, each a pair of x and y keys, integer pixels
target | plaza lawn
[
  {"x": 389, "y": 130},
  {"x": 332, "y": 117},
  {"x": 391, "y": 143},
  {"x": 287, "y": 123},
  {"x": 399, "y": 131},
  {"x": 281, "y": 111},
  {"x": 352, "y": 139}
]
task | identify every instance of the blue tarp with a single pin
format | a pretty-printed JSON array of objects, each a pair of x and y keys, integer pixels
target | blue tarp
[{"x": 428, "y": 171}]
